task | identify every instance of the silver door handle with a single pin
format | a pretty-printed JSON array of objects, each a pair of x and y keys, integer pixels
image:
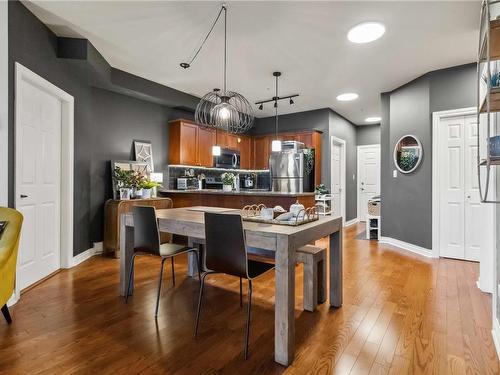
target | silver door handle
[{"x": 24, "y": 196}]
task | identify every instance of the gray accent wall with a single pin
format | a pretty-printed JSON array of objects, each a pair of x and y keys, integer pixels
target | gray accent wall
[
  {"x": 4, "y": 129},
  {"x": 330, "y": 123},
  {"x": 407, "y": 200},
  {"x": 106, "y": 121},
  {"x": 368, "y": 135}
]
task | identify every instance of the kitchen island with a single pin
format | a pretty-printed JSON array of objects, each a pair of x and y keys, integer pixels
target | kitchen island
[{"x": 235, "y": 199}]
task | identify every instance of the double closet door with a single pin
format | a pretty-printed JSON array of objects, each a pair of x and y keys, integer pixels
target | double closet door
[{"x": 465, "y": 224}]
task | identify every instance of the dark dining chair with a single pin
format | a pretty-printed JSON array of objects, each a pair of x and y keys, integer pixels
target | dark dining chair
[
  {"x": 226, "y": 252},
  {"x": 147, "y": 242}
]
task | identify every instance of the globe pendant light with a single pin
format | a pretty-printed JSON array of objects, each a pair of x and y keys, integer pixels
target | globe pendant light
[{"x": 224, "y": 109}]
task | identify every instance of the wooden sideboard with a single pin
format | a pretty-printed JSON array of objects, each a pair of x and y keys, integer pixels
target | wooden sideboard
[{"x": 114, "y": 208}]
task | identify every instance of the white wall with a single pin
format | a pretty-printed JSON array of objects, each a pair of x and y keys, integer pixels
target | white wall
[{"x": 3, "y": 103}]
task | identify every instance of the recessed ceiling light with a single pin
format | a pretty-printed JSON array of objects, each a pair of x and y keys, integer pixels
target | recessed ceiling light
[
  {"x": 366, "y": 32},
  {"x": 373, "y": 119},
  {"x": 347, "y": 97}
]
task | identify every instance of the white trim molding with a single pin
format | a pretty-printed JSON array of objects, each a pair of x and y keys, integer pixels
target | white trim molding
[
  {"x": 495, "y": 332},
  {"x": 407, "y": 246},
  {"x": 4, "y": 104},
  {"x": 343, "y": 178},
  {"x": 83, "y": 256},
  {"x": 351, "y": 222}
]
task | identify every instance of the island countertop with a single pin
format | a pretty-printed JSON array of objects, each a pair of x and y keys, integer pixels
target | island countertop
[{"x": 235, "y": 199}]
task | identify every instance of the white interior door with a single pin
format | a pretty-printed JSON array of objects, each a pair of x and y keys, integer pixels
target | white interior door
[
  {"x": 336, "y": 179},
  {"x": 465, "y": 224},
  {"x": 368, "y": 177},
  {"x": 38, "y": 181}
]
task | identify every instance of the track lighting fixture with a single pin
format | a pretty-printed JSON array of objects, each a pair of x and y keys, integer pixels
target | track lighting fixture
[
  {"x": 261, "y": 106},
  {"x": 291, "y": 101}
]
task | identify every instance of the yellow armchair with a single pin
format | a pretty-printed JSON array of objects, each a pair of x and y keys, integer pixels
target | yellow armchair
[{"x": 9, "y": 243}]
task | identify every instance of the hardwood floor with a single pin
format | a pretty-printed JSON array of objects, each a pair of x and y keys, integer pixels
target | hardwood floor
[{"x": 402, "y": 314}]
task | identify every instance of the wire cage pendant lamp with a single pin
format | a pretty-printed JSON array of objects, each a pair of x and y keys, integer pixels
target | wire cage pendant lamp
[{"x": 223, "y": 109}]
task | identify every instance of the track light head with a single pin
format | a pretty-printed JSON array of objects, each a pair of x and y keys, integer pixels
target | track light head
[
  {"x": 291, "y": 101},
  {"x": 275, "y": 104},
  {"x": 261, "y": 106}
]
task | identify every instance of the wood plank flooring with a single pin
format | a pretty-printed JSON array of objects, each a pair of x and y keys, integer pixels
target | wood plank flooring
[{"x": 402, "y": 314}]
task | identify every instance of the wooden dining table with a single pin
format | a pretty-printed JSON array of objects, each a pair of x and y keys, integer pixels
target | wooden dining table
[{"x": 283, "y": 239}]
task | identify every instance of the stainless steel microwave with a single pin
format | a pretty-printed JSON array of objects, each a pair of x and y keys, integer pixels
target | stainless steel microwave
[{"x": 229, "y": 159}]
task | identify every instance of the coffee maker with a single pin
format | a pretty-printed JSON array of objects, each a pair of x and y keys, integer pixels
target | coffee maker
[{"x": 248, "y": 180}]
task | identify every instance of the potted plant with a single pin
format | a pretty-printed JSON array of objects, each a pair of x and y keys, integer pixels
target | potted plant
[
  {"x": 123, "y": 181},
  {"x": 147, "y": 186},
  {"x": 228, "y": 181},
  {"x": 136, "y": 181}
]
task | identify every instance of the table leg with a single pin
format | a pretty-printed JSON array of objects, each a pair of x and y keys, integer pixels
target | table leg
[
  {"x": 192, "y": 265},
  {"x": 336, "y": 268},
  {"x": 284, "y": 319},
  {"x": 126, "y": 252}
]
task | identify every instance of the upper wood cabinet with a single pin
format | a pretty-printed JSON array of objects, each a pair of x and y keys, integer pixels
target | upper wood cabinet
[
  {"x": 261, "y": 149},
  {"x": 245, "y": 148},
  {"x": 190, "y": 144}
]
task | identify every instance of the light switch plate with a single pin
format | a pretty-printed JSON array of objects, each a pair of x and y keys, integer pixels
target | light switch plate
[{"x": 395, "y": 173}]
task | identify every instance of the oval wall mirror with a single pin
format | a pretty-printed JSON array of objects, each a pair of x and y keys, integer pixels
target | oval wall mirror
[{"x": 407, "y": 153}]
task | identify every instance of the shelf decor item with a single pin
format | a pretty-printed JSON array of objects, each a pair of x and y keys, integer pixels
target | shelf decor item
[
  {"x": 147, "y": 187},
  {"x": 144, "y": 153},
  {"x": 259, "y": 213},
  {"x": 228, "y": 180},
  {"x": 222, "y": 109}
]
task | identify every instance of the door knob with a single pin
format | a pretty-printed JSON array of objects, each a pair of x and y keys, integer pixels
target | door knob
[{"x": 24, "y": 196}]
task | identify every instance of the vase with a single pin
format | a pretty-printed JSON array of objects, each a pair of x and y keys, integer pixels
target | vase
[
  {"x": 227, "y": 187},
  {"x": 124, "y": 193},
  {"x": 146, "y": 193}
]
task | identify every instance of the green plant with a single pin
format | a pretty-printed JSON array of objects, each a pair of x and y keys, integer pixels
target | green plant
[
  {"x": 147, "y": 184},
  {"x": 308, "y": 160},
  {"x": 407, "y": 161},
  {"x": 228, "y": 178},
  {"x": 321, "y": 189},
  {"x": 122, "y": 177}
]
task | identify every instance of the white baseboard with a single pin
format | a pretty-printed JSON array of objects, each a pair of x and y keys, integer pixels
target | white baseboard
[
  {"x": 495, "y": 332},
  {"x": 407, "y": 246},
  {"x": 351, "y": 222},
  {"x": 82, "y": 257}
]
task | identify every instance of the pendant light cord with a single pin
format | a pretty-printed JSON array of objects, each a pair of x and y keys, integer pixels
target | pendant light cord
[
  {"x": 276, "y": 108},
  {"x": 187, "y": 65},
  {"x": 225, "y": 46}
]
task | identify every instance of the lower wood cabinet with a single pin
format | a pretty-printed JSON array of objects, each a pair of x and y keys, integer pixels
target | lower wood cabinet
[{"x": 114, "y": 208}]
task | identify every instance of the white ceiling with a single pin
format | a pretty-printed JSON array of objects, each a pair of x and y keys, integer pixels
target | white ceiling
[{"x": 304, "y": 40}]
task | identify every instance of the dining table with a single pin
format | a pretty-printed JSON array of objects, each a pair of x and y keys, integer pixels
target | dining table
[{"x": 284, "y": 240}]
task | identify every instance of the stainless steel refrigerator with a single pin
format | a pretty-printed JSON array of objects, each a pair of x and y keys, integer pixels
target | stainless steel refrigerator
[{"x": 287, "y": 171}]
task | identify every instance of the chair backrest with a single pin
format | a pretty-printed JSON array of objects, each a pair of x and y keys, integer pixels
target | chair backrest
[
  {"x": 146, "y": 235},
  {"x": 225, "y": 244},
  {"x": 9, "y": 244}
]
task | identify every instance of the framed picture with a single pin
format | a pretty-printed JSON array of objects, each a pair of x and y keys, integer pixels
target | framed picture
[
  {"x": 144, "y": 154},
  {"x": 127, "y": 165}
]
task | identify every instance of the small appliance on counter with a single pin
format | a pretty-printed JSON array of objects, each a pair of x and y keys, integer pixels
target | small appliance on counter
[
  {"x": 213, "y": 183},
  {"x": 248, "y": 180},
  {"x": 187, "y": 183},
  {"x": 229, "y": 159}
]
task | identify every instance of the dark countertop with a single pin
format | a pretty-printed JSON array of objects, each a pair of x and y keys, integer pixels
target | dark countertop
[{"x": 241, "y": 192}]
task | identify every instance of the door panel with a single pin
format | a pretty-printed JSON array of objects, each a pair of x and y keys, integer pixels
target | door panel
[
  {"x": 336, "y": 180},
  {"x": 38, "y": 182},
  {"x": 452, "y": 188},
  {"x": 369, "y": 177},
  {"x": 465, "y": 224},
  {"x": 261, "y": 152},
  {"x": 189, "y": 144}
]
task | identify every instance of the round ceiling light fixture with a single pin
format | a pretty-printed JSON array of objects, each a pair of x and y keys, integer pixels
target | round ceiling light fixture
[
  {"x": 366, "y": 32},
  {"x": 373, "y": 119},
  {"x": 347, "y": 97}
]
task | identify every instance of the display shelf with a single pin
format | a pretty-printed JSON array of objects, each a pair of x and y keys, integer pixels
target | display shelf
[
  {"x": 488, "y": 98},
  {"x": 372, "y": 227},
  {"x": 323, "y": 201}
]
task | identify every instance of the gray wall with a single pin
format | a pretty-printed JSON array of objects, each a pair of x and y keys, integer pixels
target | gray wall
[
  {"x": 106, "y": 123},
  {"x": 368, "y": 135},
  {"x": 407, "y": 199},
  {"x": 3, "y": 104},
  {"x": 330, "y": 123}
]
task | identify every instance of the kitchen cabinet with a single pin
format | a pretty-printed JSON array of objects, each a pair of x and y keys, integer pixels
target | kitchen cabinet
[
  {"x": 245, "y": 148},
  {"x": 261, "y": 150},
  {"x": 190, "y": 144}
]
